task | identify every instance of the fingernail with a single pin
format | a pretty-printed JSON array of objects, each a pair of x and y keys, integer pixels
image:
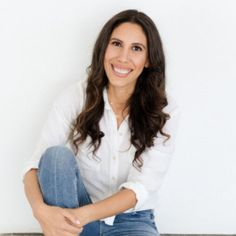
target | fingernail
[{"x": 77, "y": 222}]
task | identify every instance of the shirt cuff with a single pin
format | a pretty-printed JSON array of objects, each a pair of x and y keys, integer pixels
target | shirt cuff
[
  {"x": 28, "y": 167},
  {"x": 109, "y": 220},
  {"x": 139, "y": 190}
]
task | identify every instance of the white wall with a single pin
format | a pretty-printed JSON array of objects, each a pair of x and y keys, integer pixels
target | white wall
[{"x": 45, "y": 45}]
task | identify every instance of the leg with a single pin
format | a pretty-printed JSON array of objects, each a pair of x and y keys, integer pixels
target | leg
[
  {"x": 139, "y": 223},
  {"x": 61, "y": 183},
  {"x": 60, "y": 180}
]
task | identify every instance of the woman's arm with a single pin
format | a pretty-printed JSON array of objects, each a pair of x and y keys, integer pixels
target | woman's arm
[
  {"x": 117, "y": 203},
  {"x": 32, "y": 190},
  {"x": 139, "y": 185},
  {"x": 53, "y": 220}
]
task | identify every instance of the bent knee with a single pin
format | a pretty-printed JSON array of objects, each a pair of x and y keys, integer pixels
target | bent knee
[{"x": 57, "y": 156}]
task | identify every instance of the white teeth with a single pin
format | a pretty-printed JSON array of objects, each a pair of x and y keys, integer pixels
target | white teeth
[{"x": 122, "y": 71}]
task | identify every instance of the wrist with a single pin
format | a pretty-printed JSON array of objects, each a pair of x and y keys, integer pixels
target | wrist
[
  {"x": 84, "y": 214},
  {"x": 38, "y": 209}
]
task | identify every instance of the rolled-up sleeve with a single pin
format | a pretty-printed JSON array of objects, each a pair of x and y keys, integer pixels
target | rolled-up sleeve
[
  {"x": 58, "y": 124},
  {"x": 156, "y": 161}
]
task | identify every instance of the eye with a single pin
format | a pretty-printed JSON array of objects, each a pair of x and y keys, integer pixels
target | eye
[
  {"x": 137, "y": 48},
  {"x": 116, "y": 43}
]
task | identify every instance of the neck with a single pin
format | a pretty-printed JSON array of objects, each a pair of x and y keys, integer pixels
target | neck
[
  {"x": 118, "y": 101},
  {"x": 118, "y": 97}
]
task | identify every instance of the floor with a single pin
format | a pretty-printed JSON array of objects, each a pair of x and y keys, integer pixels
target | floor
[{"x": 37, "y": 234}]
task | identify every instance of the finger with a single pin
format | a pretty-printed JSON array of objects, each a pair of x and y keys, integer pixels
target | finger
[
  {"x": 68, "y": 227},
  {"x": 69, "y": 231},
  {"x": 66, "y": 233},
  {"x": 75, "y": 225},
  {"x": 71, "y": 217}
]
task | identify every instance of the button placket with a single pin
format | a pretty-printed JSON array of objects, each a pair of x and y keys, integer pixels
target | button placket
[{"x": 113, "y": 168}]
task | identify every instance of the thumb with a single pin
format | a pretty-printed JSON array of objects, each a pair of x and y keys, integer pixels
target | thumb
[{"x": 72, "y": 217}]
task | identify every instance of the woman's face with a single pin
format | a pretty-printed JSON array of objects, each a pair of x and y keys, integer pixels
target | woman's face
[{"x": 126, "y": 55}]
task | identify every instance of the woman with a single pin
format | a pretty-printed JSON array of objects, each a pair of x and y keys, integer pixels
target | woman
[{"x": 108, "y": 140}]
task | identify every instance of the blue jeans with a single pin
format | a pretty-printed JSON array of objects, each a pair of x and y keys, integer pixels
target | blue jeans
[{"x": 61, "y": 185}]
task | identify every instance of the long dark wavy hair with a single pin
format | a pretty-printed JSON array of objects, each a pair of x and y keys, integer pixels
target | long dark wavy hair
[{"x": 146, "y": 116}]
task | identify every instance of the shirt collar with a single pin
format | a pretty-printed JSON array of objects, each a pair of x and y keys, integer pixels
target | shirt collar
[
  {"x": 106, "y": 102},
  {"x": 107, "y": 105}
]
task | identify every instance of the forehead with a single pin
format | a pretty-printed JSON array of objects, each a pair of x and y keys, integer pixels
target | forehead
[{"x": 130, "y": 32}]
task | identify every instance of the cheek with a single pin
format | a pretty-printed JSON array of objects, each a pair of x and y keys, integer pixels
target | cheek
[
  {"x": 106, "y": 66},
  {"x": 106, "y": 59},
  {"x": 109, "y": 54},
  {"x": 140, "y": 63}
]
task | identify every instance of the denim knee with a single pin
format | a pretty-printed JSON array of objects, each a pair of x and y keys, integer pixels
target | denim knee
[
  {"x": 57, "y": 177},
  {"x": 60, "y": 157}
]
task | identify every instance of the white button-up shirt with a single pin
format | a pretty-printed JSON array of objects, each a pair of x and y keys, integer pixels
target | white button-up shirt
[{"x": 111, "y": 168}]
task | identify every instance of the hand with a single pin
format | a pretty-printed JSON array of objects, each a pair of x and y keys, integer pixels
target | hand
[
  {"x": 56, "y": 221},
  {"x": 81, "y": 214}
]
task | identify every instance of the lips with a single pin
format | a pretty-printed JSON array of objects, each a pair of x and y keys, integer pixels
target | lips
[{"x": 120, "y": 71}]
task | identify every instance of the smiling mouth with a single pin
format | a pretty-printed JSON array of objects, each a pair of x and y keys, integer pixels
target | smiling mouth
[{"x": 121, "y": 72}]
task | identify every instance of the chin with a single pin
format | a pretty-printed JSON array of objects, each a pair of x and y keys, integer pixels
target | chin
[{"x": 122, "y": 83}]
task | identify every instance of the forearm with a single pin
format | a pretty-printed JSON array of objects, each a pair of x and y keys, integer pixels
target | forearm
[
  {"x": 32, "y": 189},
  {"x": 117, "y": 203}
]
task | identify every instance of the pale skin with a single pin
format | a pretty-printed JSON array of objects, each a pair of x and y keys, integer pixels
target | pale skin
[{"x": 125, "y": 58}]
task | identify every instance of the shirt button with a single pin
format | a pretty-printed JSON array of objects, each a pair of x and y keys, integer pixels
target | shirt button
[
  {"x": 113, "y": 178},
  {"x": 114, "y": 157},
  {"x": 120, "y": 134}
]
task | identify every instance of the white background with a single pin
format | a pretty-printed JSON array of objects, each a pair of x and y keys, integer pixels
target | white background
[{"x": 46, "y": 45}]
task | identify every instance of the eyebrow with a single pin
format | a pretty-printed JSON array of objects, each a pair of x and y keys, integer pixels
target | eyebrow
[{"x": 140, "y": 44}]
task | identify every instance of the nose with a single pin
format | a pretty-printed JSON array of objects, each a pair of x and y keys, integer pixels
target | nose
[{"x": 124, "y": 55}]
